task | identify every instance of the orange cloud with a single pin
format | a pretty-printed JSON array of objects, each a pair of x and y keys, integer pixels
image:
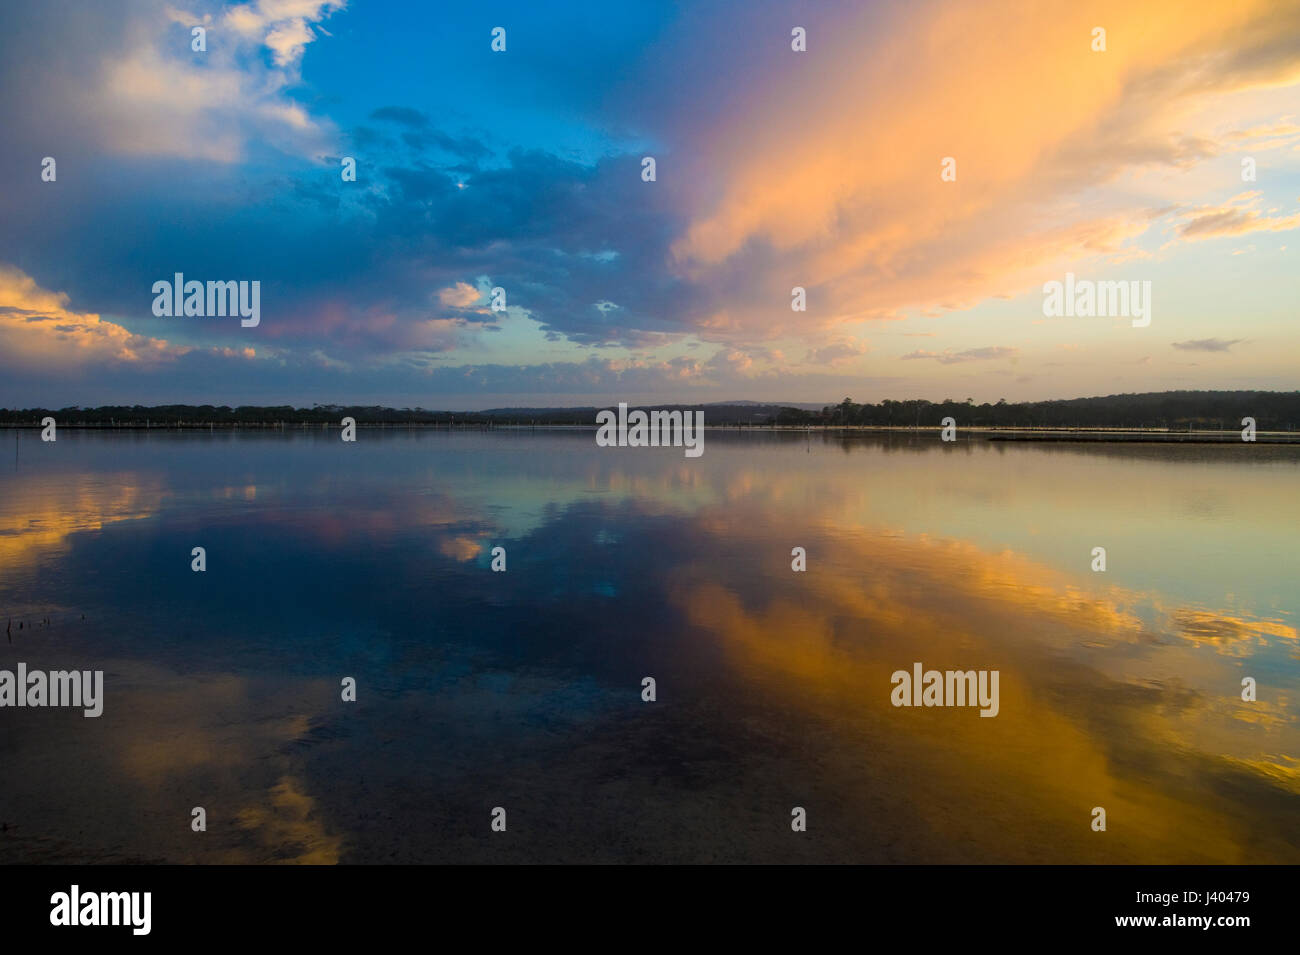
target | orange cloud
[
  {"x": 38, "y": 328},
  {"x": 1229, "y": 220},
  {"x": 831, "y": 171},
  {"x": 460, "y": 295}
]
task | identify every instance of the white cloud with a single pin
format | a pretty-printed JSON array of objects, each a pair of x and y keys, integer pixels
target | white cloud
[{"x": 158, "y": 97}]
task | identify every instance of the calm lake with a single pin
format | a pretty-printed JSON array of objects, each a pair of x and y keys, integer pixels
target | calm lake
[{"x": 478, "y": 689}]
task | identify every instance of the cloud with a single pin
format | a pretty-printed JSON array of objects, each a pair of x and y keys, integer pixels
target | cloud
[
  {"x": 38, "y": 330},
  {"x": 1208, "y": 344},
  {"x": 1214, "y": 223},
  {"x": 776, "y": 169},
  {"x": 838, "y": 352},
  {"x": 365, "y": 272},
  {"x": 1282, "y": 130},
  {"x": 1240, "y": 215},
  {"x": 460, "y": 295},
  {"x": 797, "y": 187},
  {"x": 283, "y": 26},
  {"x": 950, "y": 357},
  {"x": 127, "y": 81}
]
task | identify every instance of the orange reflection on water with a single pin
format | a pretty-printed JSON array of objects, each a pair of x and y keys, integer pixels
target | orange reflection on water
[{"x": 1097, "y": 707}]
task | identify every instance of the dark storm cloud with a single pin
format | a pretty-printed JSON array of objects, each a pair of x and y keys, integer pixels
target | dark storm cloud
[{"x": 559, "y": 235}]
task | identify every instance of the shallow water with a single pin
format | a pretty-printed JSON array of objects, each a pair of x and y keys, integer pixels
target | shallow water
[{"x": 522, "y": 689}]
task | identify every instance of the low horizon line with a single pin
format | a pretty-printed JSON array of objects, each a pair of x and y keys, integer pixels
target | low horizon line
[{"x": 801, "y": 405}]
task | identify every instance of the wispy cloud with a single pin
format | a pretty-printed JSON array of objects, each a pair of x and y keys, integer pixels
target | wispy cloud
[
  {"x": 1238, "y": 216},
  {"x": 838, "y": 352},
  {"x": 971, "y": 354},
  {"x": 1208, "y": 344}
]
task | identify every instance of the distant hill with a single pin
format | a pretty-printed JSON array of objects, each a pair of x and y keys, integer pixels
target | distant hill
[
  {"x": 1179, "y": 410},
  {"x": 803, "y": 406}
]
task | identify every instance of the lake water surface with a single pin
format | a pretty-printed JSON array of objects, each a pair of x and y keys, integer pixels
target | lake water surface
[{"x": 522, "y": 689}]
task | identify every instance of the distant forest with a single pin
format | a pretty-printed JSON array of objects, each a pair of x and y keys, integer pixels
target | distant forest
[{"x": 1175, "y": 410}]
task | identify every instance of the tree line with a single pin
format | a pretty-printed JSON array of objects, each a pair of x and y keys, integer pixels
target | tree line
[{"x": 1176, "y": 410}]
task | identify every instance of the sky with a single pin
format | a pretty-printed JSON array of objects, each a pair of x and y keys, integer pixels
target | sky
[{"x": 1171, "y": 156}]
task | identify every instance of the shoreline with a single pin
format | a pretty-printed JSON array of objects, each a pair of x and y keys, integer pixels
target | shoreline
[{"x": 1027, "y": 435}]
